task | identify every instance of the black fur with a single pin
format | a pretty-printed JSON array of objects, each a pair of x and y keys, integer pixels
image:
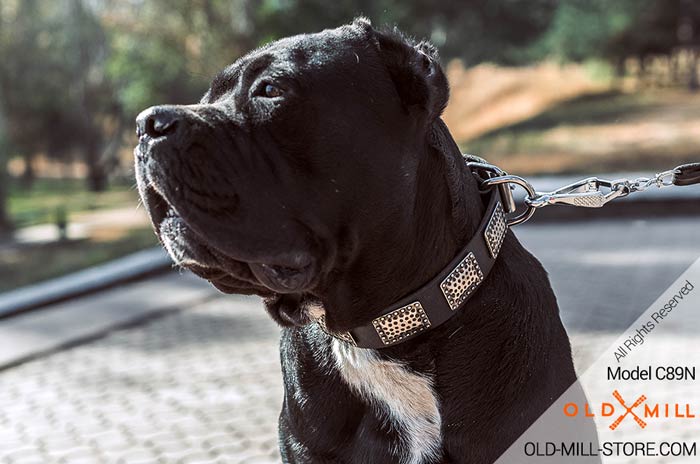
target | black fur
[{"x": 352, "y": 190}]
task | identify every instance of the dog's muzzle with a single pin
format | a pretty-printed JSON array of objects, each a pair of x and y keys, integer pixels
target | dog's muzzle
[{"x": 191, "y": 218}]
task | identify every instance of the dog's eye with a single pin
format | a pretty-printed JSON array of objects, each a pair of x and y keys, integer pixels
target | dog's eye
[{"x": 272, "y": 91}]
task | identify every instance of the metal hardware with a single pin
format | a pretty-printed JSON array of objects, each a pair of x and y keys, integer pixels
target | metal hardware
[
  {"x": 462, "y": 281},
  {"x": 496, "y": 231},
  {"x": 660, "y": 180},
  {"x": 590, "y": 192},
  {"x": 492, "y": 171},
  {"x": 585, "y": 193},
  {"x": 401, "y": 323},
  {"x": 507, "y": 200},
  {"x": 516, "y": 180}
]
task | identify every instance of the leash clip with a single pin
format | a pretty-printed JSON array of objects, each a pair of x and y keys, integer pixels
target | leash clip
[{"x": 585, "y": 193}]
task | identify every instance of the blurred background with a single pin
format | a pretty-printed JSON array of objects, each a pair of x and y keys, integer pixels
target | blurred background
[{"x": 538, "y": 86}]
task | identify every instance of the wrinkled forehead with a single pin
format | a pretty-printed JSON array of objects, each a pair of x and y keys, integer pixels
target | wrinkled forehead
[{"x": 292, "y": 55}]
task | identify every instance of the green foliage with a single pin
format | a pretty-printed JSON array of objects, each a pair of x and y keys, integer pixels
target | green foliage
[
  {"x": 599, "y": 70},
  {"x": 584, "y": 29},
  {"x": 581, "y": 29},
  {"x": 148, "y": 72},
  {"x": 165, "y": 51}
]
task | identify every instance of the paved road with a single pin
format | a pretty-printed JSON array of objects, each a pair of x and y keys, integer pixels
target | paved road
[
  {"x": 203, "y": 385},
  {"x": 606, "y": 273}
]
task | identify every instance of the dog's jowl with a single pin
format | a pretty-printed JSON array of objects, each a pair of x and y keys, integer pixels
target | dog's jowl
[{"x": 316, "y": 172}]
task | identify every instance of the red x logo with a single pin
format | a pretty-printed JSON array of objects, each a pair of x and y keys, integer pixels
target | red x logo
[{"x": 628, "y": 411}]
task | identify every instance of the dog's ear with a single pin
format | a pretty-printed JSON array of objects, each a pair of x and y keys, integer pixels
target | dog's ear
[{"x": 415, "y": 69}]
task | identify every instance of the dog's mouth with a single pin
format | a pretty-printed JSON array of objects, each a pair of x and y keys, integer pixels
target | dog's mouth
[{"x": 270, "y": 275}]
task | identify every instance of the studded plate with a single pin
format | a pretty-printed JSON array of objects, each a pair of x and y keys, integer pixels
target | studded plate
[
  {"x": 401, "y": 323},
  {"x": 496, "y": 230},
  {"x": 462, "y": 281},
  {"x": 344, "y": 336}
]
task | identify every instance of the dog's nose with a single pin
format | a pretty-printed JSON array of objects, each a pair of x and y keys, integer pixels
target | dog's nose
[{"x": 157, "y": 121}]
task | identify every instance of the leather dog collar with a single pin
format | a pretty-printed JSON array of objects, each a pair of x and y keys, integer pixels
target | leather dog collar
[{"x": 443, "y": 296}]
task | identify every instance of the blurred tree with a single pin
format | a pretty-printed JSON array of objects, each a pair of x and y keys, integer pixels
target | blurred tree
[
  {"x": 583, "y": 29},
  {"x": 5, "y": 223},
  {"x": 615, "y": 31},
  {"x": 24, "y": 84},
  {"x": 93, "y": 111},
  {"x": 57, "y": 99},
  {"x": 167, "y": 51},
  {"x": 499, "y": 31},
  {"x": 473, "y": 30},
  {"x": 689, "y": 37},
  {"x": 650, "y": 32}
]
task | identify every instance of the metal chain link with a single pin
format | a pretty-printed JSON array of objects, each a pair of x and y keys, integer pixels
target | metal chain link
[{"x": 662, "y": 179}]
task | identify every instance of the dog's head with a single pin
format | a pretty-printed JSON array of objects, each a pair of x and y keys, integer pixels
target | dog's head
[{"x": 298, "y": 163}]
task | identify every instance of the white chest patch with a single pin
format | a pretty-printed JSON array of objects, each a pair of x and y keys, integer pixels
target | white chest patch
[{"x": 407, "y": 397}]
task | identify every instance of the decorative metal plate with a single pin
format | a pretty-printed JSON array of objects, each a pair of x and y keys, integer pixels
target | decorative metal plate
[
  {"x": 401, "y": 323},
  {"x": 462, "y": 281},
  {"x": 496, "y": 230},
  {"x": 344, "y": 336}
]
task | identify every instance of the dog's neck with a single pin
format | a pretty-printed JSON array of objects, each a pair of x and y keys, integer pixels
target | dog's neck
[
  {"x": 439, "y": 220},
  {"x": 462, "y": 195},
  {"x": 446, "y": 213}
]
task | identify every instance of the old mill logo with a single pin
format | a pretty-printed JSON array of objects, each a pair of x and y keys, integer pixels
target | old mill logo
[
  {"x": 640, "y": 410},
  {"x": 629, "y": 410}
]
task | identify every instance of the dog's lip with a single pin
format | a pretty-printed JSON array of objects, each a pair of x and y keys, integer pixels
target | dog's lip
[
  {"x": 157, "y": 207},
  {"x": 283, "y": 278},
  {"x": 282, "y": 272},
  {"x": 226, "y": 283}
]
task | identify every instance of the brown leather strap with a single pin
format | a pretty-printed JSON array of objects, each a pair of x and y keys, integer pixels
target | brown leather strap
[{"x": 687, "y": 174}]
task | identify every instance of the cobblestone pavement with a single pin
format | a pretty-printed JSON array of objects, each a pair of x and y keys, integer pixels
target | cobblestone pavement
[{"x": 200, "y": 386}]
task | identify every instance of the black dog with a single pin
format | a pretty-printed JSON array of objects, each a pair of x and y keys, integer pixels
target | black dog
[{"x": 316, "y": 173}]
